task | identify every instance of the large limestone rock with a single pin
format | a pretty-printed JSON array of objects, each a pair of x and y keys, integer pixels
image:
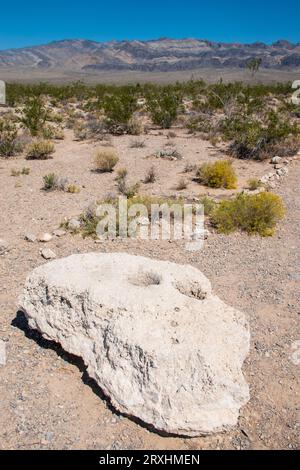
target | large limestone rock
[{"x": 151, "y": 333}]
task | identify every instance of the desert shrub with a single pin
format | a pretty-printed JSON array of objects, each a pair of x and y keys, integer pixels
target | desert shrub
[
  {"x": 34, "y": 115},
  {"x": 169, "y": 154},
  {"x": 137, "y": 144},
  {"x": 119, "y": 109},
  {"x": 150, "y": 176},
  {"x": 54, "y": 117},
  {"x": 50, "y": 182},
  {"x": 24, "y": 171},
  {"x": 123, "y": 186},
  {"x": 253, "y": 184},
  {"x": 10, "y": 145},
  {"x": 105, "y": 160},
  {"x": 209, "y": 205},
  {"x": 254, "y": 214},
  {"x": 90, "y": 220},
  {"x": 189, "y": 167},
  {"x": 51, "y": 132},
  {"x": 219, "y": 174},
  {"x": 73, "y": 189},
  {"x": 256, "y": 139},
  {"x": 135, "y": 126},
  {"x": 40, "y": 150},
  {"x": 171, "y": 135},
  {"x": 163, "y": 107},
  {"x": 199, "y": 124},
  {"x": 182, "y": 184}
]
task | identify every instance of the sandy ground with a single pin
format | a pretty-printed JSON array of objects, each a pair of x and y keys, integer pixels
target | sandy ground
[{"x": 46, "y": 399}]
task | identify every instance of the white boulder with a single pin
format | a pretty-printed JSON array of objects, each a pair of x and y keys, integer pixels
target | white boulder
[{"x": 151, "y": 333}]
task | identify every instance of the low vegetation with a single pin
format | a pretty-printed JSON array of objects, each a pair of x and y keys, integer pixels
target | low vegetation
[
  {"x": 254, "y": 214},
  {"x": 40, "y": 150},
  {"x": 105, "y": 160},
  {"x": 219, "y": 174},
  {"x": 10, "y": 145}
]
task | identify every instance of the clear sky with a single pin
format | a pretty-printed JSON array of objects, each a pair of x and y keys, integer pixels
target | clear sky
[{"x": 25, "y": 23}]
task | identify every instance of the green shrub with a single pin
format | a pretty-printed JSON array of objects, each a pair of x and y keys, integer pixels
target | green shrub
[
  {"x": 51, "y": 132},
  {"x": 209, "y": 205},
  {"x": 50, "y": 182},
  {"x": 253, "y": 184},
  {"x": 105, "y": 160},
  {"x": 9, "y": 143},
  {"x": 217, "y": 175},
  {"x": 40, "y": 150},
  {"x": 34, "y": 116},
  {"x": 119, "y": 109},
  {"x": 256, "y": 139},
  {"x": 163, "y": 107},
  {"x": 254, "y": 214}
]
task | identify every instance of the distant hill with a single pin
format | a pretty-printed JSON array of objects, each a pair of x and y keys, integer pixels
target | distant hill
[{"x": 161, "y": 55}]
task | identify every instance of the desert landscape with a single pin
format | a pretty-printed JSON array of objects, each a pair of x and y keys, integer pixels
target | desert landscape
[{"x": 65, "y": 149}]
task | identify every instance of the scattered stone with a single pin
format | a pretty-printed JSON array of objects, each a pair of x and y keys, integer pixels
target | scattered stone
[
  {"x": 59, "y": 233},
  {"x": 74, "y": 224},
  {"x": 4, "y": 247},
  {"x": 282, "y": 172},
  {"x": 48, "y": 254},
  {"x": 45, "y": 237},
  {"x": 29, "y": 237},
  {"x": 276, "y": 159},
  {"x": 152, "y": 335}
]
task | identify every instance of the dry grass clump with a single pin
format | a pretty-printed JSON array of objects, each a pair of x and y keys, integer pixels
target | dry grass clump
[
  {"x": 182, "y": 184},
  {"x": 105, "y": 160},
  {"x": 253, "y": 184},
  {"x": 40, "y": 150},
  {"x": 150, "y": 176},
  {"x": 217, "y": 175},
  {"x": 24, "y": 171},
  {"x": 128, "y": 190}
]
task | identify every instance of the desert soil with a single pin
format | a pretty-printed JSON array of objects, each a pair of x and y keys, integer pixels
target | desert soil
[{"x": 47, "y": 400}]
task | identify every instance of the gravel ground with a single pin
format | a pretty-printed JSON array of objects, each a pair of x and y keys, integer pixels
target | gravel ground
[{"x": 47, "y": 400}]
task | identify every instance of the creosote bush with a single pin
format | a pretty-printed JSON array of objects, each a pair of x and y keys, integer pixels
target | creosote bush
[
  {"x": 34, "y": 115},
  {"x": 105, "y": 160},
  {"x": 209, "y": 205},
  {"x": 254, "y": 214},
  {"x": 40, "y": 150},
  {"x": 163, "y": 106},
  {"x": 219, "y": 174},
  {"x": 51, "y": 132},
  {"x": 10, "y": 145}
]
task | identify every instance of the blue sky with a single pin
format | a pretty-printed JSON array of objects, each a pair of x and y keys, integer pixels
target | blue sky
[{"x": 25, "y": 23}]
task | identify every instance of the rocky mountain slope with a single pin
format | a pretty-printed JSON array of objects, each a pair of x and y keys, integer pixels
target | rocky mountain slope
[{"x": 154, "y": 55}]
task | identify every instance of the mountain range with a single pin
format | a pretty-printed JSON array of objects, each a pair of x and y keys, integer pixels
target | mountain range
[{"x": 160, "y": 55}]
